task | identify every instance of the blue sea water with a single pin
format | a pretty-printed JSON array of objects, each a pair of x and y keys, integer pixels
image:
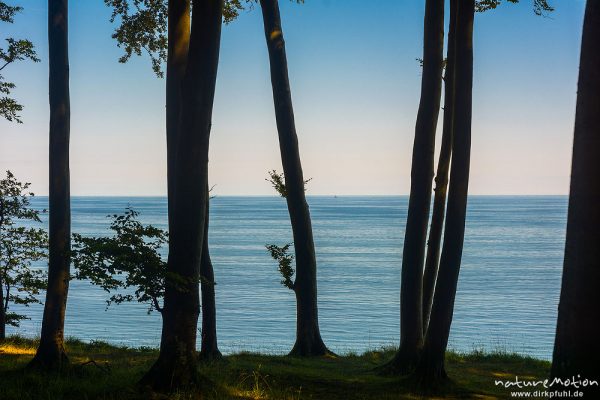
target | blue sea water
[{"x": 507, "y": 295}]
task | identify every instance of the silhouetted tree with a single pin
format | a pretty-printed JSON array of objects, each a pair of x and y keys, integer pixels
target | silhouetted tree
[
  {"x": 209, "y": 350},
  {"x": 51, "y": 352},
  {"x": 577, "y": 348},
  {"x": 19, "y": 247},
  {"x": 176, "y": 365},
  {"x": 17, "y": 50},
  {"x": 411, "y": 292},
  {"x": 441, "y": 181},
  {"x": 161, "y": 28},
  {"x": 431, "y": 363},
  {"x": 308, "y": 336}
]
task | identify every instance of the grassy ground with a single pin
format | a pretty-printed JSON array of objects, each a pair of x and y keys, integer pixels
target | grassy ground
[{"x": 115, "y": 370}]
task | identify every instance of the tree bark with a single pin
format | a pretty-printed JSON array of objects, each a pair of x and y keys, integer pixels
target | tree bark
[
  {"x": 177, "y": 53},
  {"x": 51, "y": 352},
  {"x": 177, "y": 362},
  {"x": 2, "y": 311},
  {"x": 577, "y": 348},
  {"x": 308, "y": 336},
  {"x": 411, "y": 290},
  {"x": 430, "y": 368},
  {"x": 209, "y": 349},
  {"x": 441, "y": 180}
]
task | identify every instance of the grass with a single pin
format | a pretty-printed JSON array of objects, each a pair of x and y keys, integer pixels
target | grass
[{"x": 103, "y": 371}]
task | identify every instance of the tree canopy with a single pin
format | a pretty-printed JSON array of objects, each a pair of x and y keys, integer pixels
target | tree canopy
[
  {"x": 20, "y": 246},
  {"x": 16, "y": 50}
]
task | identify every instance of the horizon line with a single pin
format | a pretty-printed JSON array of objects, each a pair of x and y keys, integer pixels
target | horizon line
[{"x": 317, "y": 195}]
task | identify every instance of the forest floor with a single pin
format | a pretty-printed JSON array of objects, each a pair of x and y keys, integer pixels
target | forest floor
[{"x": 102, "y": 371}]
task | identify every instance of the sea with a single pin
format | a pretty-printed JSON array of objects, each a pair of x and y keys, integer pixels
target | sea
[{"x": 508, "y": 288}]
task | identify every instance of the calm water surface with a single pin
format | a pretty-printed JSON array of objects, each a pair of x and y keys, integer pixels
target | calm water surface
[{"x": 507, "y": 293}]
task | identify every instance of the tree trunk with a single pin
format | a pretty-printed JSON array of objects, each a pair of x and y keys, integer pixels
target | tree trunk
[
  {"x": 177, "y": 362},
  {"x": 577, "y": 348},
  {"x": 441, "y": 180},
  {"x": 51, "y": 352},
  {"x": 209, "y": 349},
  {"x": 308, "y": 336},
  {"x": 2, "y": 311},
  {"x": 411, "y": 293},
  {"x": 177, "y": 54},
  {"x": 430, "y": 368}
]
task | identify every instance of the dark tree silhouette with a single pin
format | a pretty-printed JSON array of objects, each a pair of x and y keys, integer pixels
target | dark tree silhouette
[
  {"x": 19, "y": 247},
  {"x": 577, "y": 348},
  {"x": 209, "y": 350},
  {"x": 441, "y": 181},
  {"x": 308, "y": 336},
  {"x": 51, "y": 352},
  {"x": 431, "y": 363},
  {"x": 411, "y": 294},
  {"x": 176, "y": 365},
  {"x": 146, "y": 29}
]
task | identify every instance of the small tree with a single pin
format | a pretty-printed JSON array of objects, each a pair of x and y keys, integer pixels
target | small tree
[
  {"x": 20, "y": 246},
  {"x": 16, "y": 50},
  {"x": 129, "y": 259}
]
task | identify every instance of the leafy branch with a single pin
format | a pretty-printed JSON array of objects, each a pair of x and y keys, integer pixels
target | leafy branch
[
  {"x": 284, "y": 260},
  {"x": 277, "y": 180}
]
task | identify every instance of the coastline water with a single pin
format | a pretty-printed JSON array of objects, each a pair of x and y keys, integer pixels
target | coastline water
[{"x": 507, "y": 294}]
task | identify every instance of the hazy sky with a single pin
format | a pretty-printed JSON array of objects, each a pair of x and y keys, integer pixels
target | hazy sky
[{"x": 355, "y": 85}]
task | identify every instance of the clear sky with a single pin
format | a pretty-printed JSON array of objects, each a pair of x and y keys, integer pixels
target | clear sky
[{"x": 355, "y": 85}]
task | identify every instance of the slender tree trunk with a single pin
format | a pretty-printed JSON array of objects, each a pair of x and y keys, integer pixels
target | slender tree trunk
[
  {"x": 177, "y": 362},
  {"x": 441, "y": 180},
  {"x": 179, "y": 37},
  {"x": 2, "y": 307},
  {"x": 2, "y": 310},
  {"x": 308, "y": 336},
  {"x": 51, "y": 352},
  {"x": 577, "y": 345},
  {"x": 411, "y": 294},
  {"x": 177, "y": 54},
  {"x": 431, "y": 364},
  {"x": 209, "y": 349}
]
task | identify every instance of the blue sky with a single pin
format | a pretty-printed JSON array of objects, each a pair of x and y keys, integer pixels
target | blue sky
[{"x": 355, "y": 85}]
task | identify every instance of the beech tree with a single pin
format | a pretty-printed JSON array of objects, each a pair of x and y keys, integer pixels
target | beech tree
[
  {"x": 176, "y": 365},
  {"x": 16, "y": 50},
  {"x": 308, "y": 335},
  {"x": 420, "y": 271},
  {"x": 51, "y": 351},
  {"x": 20, "y": 246},
  {"x": 430, "y": 367},
  {"x": 411, "y": 294},
  {"x": 576, "y": 348},
  {"x": 162, "y": 29}
]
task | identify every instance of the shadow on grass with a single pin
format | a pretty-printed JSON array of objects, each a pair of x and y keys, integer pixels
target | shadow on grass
[{"x": 102, "y": 371}]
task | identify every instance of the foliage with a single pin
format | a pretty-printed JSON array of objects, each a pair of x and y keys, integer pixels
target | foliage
[
  {"x": 281, "y": 254},
  {"x": 129, "y": 259},
  {"x": 540, "y": 7},
  {"x": 20, "y": 246},
  {"x": 143, "y": 27},
  {"x": 277, "y": 180},
  {"x": 284, "y": 259},
  {"x": 7, "y": 13},
  {"x": 17, "y": 50}
]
